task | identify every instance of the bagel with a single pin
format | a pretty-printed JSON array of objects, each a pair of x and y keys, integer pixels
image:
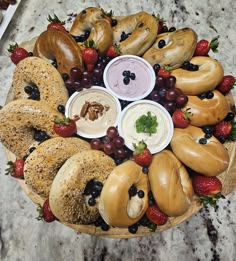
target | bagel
[
  {"x": 143, "y": 29},
  {"x": 85, "y": 19},
  {"x": 36, "y": 71},
  {"x": 207, "y": 111},
  {"x": 20, "y": 118},
  {"x": 170, "y": 184},
  {"x": 209, "y": 75},
  {"x": 59, "y": 45},
  {"x": 42, "y": 165},
  {"x": 115, "y": 205},
  {"x": 180, "y": 46},
  {"x": 67, "y": 200},
  {"x": 209, "y": 159}
]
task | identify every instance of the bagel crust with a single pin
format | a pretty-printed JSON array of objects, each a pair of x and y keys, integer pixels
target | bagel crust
[
  {"x": 170, "y": 184},
  {"x": 18, "y": 120},
  {"x": 115, "y": 205},
  {"x": 33, "y": 70},
  {"x": 66, "y": 198},
  {"x": 180, "y": 46},
  {"x": 42, "y": 165},
  {"x": 209, "y": 159},
  {"x": 209, "y": 75},
  {"x": 207, "y": 111},
  {"x": 143, "y": 29},
  {"x": 59, "y": 45}
]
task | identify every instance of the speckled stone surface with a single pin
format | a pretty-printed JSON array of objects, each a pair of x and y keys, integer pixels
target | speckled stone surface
[{"x": 208, "y": 235}]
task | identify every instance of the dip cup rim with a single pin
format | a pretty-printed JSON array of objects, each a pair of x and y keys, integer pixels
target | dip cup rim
[{"x": 76, "y": 94}]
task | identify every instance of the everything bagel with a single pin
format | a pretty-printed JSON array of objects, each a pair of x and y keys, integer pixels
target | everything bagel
[
  {"x": 207, "y": 111},
  {"x": 42, "y": 165},
  {"x": 170, "y": 184},
  {"x": 59, "y": 45},
  {"x": 19, "y": 120},
  {"x": 179, "y": 47},
  {"x": 208, "y": 76},
  {"x": 36, "y": 71},
  {"x": 209, "y": 159},
  {"x": 116, "y": 206},
  {"x": 67, "y": 199},
  {"x": 143, "y": 29}
]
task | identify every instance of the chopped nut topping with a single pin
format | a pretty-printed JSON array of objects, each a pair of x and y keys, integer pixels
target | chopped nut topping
[{"x": 93, "y": 110}]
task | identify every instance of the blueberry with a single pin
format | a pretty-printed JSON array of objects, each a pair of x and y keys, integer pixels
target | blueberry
[
  {"x": 143, "y": 221},
  {"x": 132, "y": 76},
  {"x": 92, "y": 201},
  {"x": 126, "y": 80},
  {"x": 145, "y": 170},
  {"x": 54, "y": 63},
  {"x": 133, "y": 228},
  {"x": 222, "y": 139},
  {"x": 105, "y": 226},
  {"x": 25, "y": 157},
  {"x": 98, "y": 222},
  {"x": 126, "y": 73},
  {"x": 65, "y": 76},
  {"x": 161, "y": 43},
  {"x": 209, "y": 95},
  {"x": 61, "y": 108},
  {"x": 203, "y": 141},
  {"x": 113, "y": 22},
  {"x": 28, "y": 89},
  {"x": 164, "y": 29},
  {"x": 208, "y": 135},
  {"x": 141, "y": 193},
  {"x": 31, "y": 149},
  {"x": 132, "y": 191},
  {"x": 156, "y": 67},
  {"x": 186, "y": 65},
  {"x": 202, "y": 96},
  {"x": 208, "y": 129},
  {"x": 118, "y": 161},
  {"x": 230, "y": 116},
  {"x": 172, "y": 29}
]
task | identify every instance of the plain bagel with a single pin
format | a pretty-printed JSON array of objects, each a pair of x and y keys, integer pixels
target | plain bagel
[
  {"x": 42, "y": 165},
  {"x": 209, "y": 75},
  {"x": 66, "y": 198},
  {"x": 20, "y": 118},
  {"x": 209, "y": 159},
  {"x": 59, "y": 45},
  {"x": 207, "y": 111},
  {"x": 35, "y": 71},
  {"x": 143, "y": 29},
  {"x": 170, "y": 184},
  {"x": 179, "y": 47},
  {"x": 115, "y": 205}
]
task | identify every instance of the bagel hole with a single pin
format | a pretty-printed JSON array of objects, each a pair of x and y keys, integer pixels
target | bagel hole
[{"x": 135, "y": 206}]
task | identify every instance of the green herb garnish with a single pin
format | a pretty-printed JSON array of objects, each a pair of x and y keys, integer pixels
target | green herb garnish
[{"x": 147, "y": 124}]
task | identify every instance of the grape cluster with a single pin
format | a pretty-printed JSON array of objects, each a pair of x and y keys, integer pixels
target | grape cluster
[
  {"x": 112, "y": 144},
  {"x": 167, "y": 94}
]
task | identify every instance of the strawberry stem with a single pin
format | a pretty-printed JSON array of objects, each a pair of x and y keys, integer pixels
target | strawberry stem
[
  {"x": 55, "y": 19},
  {"x": 12, "y": 47},
  {"x": 139, "y": 148},
  {"x": 211, "y": 199},
  {"x": 214, "y": 44}
]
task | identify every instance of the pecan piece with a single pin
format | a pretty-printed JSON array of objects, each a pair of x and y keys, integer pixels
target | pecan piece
[
  {"x": 92, "y": 114},
  {"x": 84, "y": 109}
]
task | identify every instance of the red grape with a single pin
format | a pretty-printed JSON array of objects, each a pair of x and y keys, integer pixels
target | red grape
[
  {"x": 155, "y": 96},
  {"x": 96, "y": 144},
  {"x": 171, "y": 94},
  {"x": 105, "y": 139},
  {"x": 118, "y": 142},
  {"x": 160, "y": 81},
  {"x": 86, "y": 82},
  {"x": 108, "y": 148},
  {"x": 170, "y": 82},
  {"x": 120, "y": 153},
  {"x": 181, "y": 100},
  {"x": 78, "y": 86},
  {"x": 76, "y": 74},
  {"x": 112, "y": 132}
]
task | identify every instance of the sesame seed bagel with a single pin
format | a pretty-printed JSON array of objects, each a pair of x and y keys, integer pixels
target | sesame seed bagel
[
  {"x": 209, "y": 75},
  {"x": 66, "y": 198},
  {"x": 143, "y": 29},
  {"x": 59, "y": 45},
  {"x": 36, "y": 71},
  {"x": 42, "y": 165},
  {"x": 209, "y": 159},
  {"x": 179, "y": 47},
  {"x": 116, "y": 206},
  {"x": 20, "y": 118},
  {"x": 170, "y": 184},
  {"x": 207, "y": 111}
]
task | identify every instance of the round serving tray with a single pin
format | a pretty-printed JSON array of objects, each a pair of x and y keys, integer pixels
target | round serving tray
[{"x": 228, "y": 179}]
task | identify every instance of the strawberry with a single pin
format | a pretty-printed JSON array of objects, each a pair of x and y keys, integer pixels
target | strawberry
[
  {"x": 226, "y": 84},
  {"x": 16, "y": 169},
  {"x": 17, "y": 53},
  {"x": 203, "y": 47},
  {"x": 64, "y": 127},
  {"x": 223, "y": 128},
  {"x": 181, "y": 118},
  {"x": 142, "y": 154},
  {"x": 161, "y": 23},
  {"x": 108, "y": 16},
  {"x": 207, "y": 188},
  {"x": 45, "y": 212},
  {"x": 90, "y": 55},
  {"x": 155, "y": 215},
  {"x": 164, "y": 71},
  {"x": 113, "y": 51},
  {"x": 55, "y": 23}
]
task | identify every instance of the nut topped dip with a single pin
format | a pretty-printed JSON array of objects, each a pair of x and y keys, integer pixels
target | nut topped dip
[{"x": 94, "y": 109}]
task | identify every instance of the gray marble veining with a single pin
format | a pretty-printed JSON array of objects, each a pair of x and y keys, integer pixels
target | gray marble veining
[{"x": 208, "y": 235}]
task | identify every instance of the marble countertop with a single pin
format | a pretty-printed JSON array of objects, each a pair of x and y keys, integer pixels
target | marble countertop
[{"x": 207, "y": 235}]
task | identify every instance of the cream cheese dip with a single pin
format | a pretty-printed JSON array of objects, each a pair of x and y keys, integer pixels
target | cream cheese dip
[
  {"x": 156, "y": 141},
  {"x": 136, "y": 89}
]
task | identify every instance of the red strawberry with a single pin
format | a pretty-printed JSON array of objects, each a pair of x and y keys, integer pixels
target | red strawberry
[
  {"x": 207, "y": 188},
  {"x": 45, "y": 212},
  {"x": 64, "y": 127},
  {"x": 203, "y": 47},
  {"x": 223, "y": 128},
  {"x": 142, "y": 154},
  {"x": 55, "y": 23},
  {"x": 161, "y": 23},
  {"x": 16, "y": 169},
  {"x": 17, "y": 53},
  {"x": 226, "y": 84},
  {"x": 90, "y": 55},
  {"x": 155, "y": 215},
  {"x": 113, "y": 51},
  {"x": 164, "y": 71},
  {"x": 181, "y": 118}
]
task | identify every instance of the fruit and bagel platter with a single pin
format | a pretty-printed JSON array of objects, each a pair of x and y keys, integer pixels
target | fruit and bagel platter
[{"x": 119, "y": 126}]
